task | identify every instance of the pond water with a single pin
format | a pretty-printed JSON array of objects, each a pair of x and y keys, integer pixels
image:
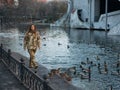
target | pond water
[{"x": 75, "y": 47}]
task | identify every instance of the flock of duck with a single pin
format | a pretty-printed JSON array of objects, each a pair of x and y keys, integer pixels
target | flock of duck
[
  {"x": 85, "y": 69},
  {"x": 85, "y": 73}
]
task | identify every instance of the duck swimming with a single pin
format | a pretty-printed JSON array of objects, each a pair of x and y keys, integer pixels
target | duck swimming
[
  {"x": 72, "y": 70},
  {"x": 83, "y": 76},
  {"x": 97, "y": 58},
  {"x": 59, "y": 43},
  {"x": 116, "y": 73},
  {"x": 55, "y": 71},
  {"x": 68, "y": 46},
  {"x": 83, "y": 63},
  {"x": 88, "y": 61}
]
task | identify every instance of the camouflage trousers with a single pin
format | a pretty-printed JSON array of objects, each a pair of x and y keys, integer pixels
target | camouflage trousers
[{"x": 32, "y": 62}]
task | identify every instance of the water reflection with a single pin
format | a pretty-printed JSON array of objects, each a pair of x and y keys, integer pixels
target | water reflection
[{"x": 67, "y": 48}]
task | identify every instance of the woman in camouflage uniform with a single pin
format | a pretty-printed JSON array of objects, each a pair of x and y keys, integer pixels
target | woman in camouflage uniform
[{"x": 32, "y": 43}]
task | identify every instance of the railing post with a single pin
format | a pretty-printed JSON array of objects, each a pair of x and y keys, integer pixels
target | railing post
[
  {"x": 89, "y": 74},
  {"x": 21, "y": 69},
  {"x": 9, "y": 54},
  {"x": 45, "y": 82},
  {"x": 1, "y": 47},
  {"x": 45, "y": 85}
]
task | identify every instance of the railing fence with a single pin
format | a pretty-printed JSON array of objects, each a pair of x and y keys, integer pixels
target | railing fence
[{"x": 26, "y": 76}]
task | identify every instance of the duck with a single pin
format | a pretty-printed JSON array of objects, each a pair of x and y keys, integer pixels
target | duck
[
  {"x": 55, "y": 71},
  {"x": 62, "y": 75},
  {"x": 50, "y": 74},
  {"x": 116, "y": 73},
  {"x": 103, "y": 72},
  {"x": 81, "y": 66},
  {"x": 58, "y": 70},
  {"x": 85, "y": 70},
  {"x": 118, "y": 64},
  {"x": 99, "y": 66},
  {"x": 44, "y": 38},
  {"x": 44, "y": 44},
  {"x": 72, "y": 70},
  {"x": 83, "y": 76},
  {"x": 67, "y": 77},
  {"x": 68, "y": 46},
  {"x": 92, "y": 64},
  {"x": 97, "y": 58},
  {"x": 111, "y": 87},
  {"x": 105, "y": 67},
  {"x": 88, "y": 61},
  {"x": 83, "y": 63},
  {"x": 99, "y": 70},
  {"x": 59, "y": 43}
]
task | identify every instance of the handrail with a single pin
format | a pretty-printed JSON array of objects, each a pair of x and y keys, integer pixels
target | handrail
[
  {"x": 25, "y": 75},
  {"x": 28, "y": 77}
]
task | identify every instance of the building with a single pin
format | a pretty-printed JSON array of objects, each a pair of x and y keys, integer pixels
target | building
[{"x": 91, "y": 14}]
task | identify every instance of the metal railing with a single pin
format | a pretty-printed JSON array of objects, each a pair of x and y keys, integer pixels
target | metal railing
[{"x": 25, "y": 75}]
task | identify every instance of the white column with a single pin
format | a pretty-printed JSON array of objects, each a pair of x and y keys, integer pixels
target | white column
[{"x": 106, "y": 11}]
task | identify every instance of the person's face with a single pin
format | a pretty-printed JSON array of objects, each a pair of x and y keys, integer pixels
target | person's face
[{"x": 32, "y": 27}]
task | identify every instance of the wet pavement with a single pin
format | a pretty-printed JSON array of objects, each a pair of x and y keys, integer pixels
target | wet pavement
[
  {"x": 8, "y": 81},
  {"x": 64, "y": 48}
]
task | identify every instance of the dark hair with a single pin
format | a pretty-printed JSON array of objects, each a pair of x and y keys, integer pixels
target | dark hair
[{"x": 29, "y": 30}]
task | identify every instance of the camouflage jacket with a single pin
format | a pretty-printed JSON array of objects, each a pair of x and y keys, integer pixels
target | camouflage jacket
[{"x": 32, "y": 40}]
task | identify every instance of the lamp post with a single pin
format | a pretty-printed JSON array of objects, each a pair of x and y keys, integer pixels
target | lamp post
[
  {"x": 106, "y": 12},
  {"x": 90, "y": 2}
]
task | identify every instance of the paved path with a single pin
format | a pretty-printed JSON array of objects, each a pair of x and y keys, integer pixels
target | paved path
[{"x": 7, "y": 80}]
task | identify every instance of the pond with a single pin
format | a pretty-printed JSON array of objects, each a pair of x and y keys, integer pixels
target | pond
[{"x": 66, "y": 48}]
